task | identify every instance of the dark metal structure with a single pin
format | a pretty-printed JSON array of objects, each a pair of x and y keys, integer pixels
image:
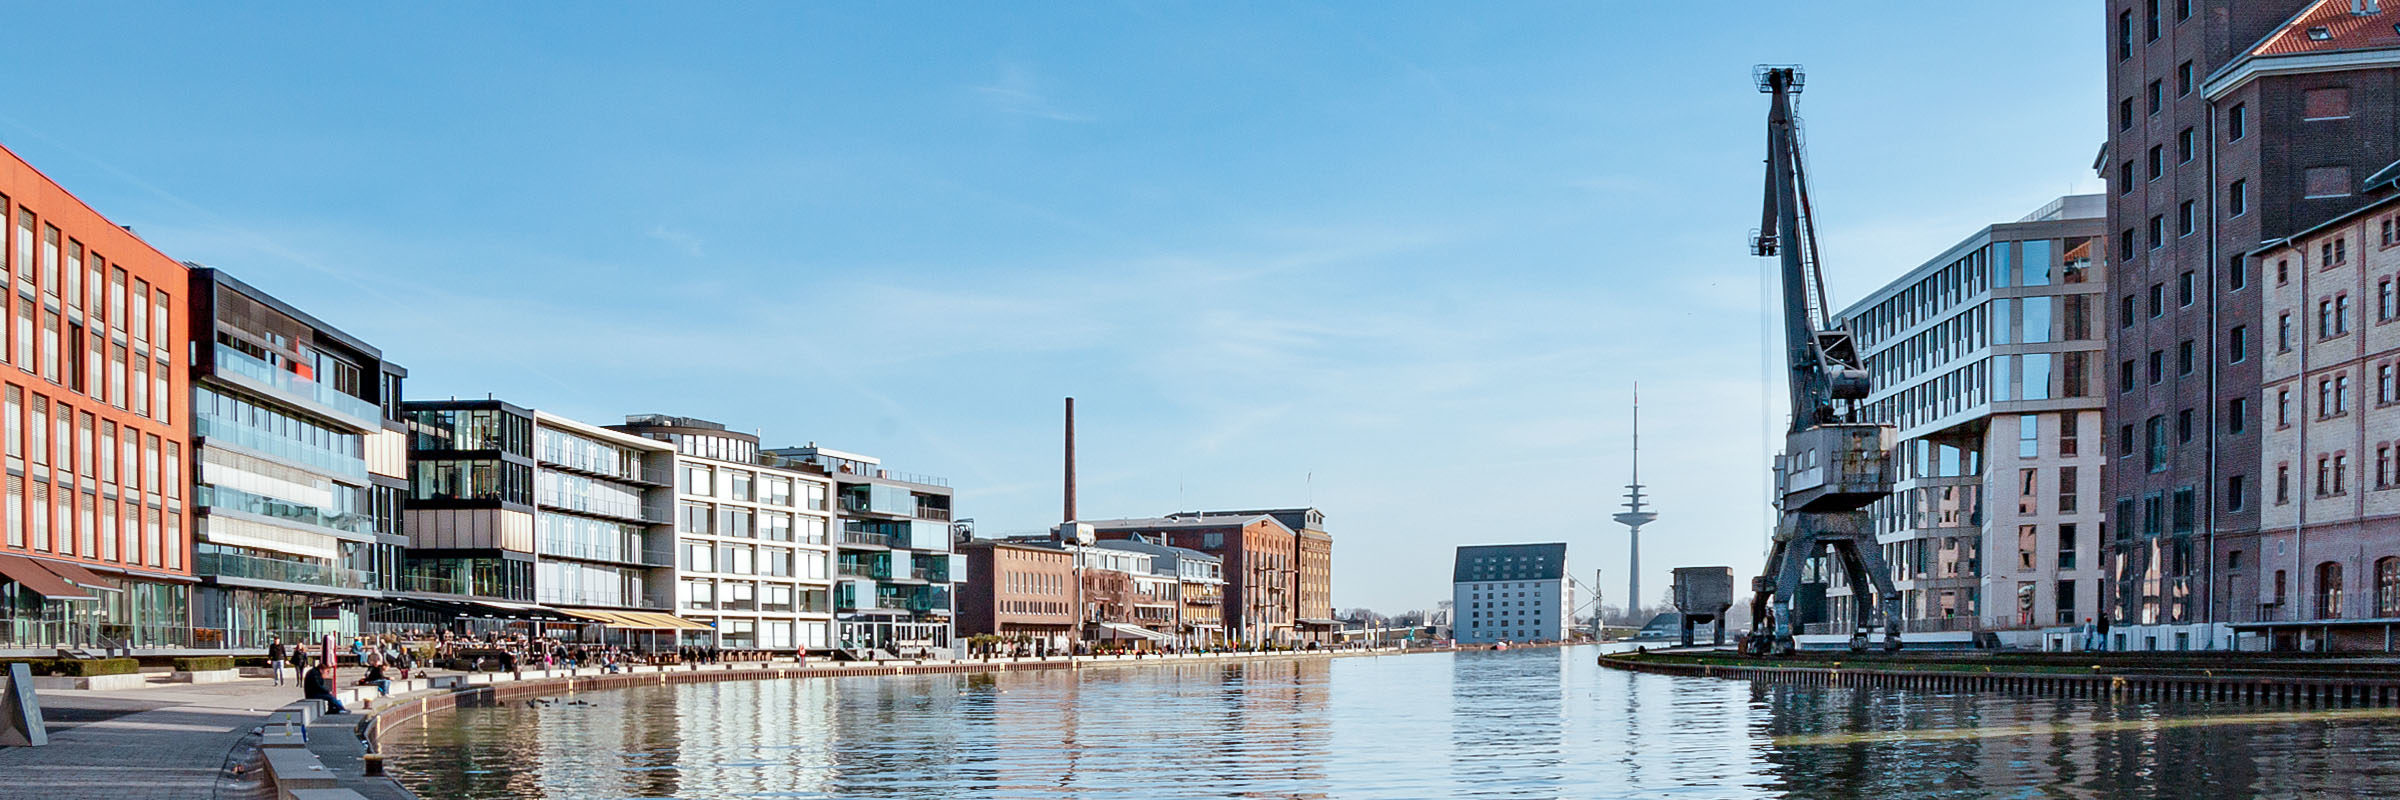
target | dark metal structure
[
  {"x": 1833, "y": 466},
  {"x": 1701, "y": 595}
]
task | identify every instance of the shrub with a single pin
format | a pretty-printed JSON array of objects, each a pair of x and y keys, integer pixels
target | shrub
[
  {"x": 94, "y": 667},
  {"x": 204, "y": 664},
  {"x": 250, "y": 661},
  {"x": 38, "y": 666}
]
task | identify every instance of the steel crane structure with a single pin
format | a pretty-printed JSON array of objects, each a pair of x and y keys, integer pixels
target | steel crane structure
[{"x": 1833, "y": 465}]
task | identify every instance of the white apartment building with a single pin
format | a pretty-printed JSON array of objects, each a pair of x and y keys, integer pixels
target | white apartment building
[
  {"x": 1988, "y": 359},
  {"x": 753, "y": 541},
  {"x": 1510, "y": 592}
]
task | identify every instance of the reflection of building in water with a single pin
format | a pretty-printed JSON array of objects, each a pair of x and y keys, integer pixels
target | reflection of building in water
[
  {"x": 1508, "y": 719},
  {"x": 752, "y": 738}
]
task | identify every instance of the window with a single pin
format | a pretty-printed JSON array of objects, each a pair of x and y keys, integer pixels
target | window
[
  {"x": 2185, "y": 223},
  {"x": 2283, "y": 485},
  {"x": 2325, "y": 318},
  {"x": 2184, "y": 146},
  {"x": 2151, "y": 23},
  {"x": 2183, "y": 10},
  {"x": 2158, "y": 300},
  {"x": 2158, "y": 97},
  {"x": 2184, "y": 357},
  {"x": 2183, "y": 426},
  {"x": 2125, "y": 114},
  {"x": 2237, "y": 277},
  {"x": 2125, "y": 311},
  {"x": 2124, "y": 35},
  {"x": 2125, "y": 440},
  {"x": 2234, "y": 497},
  {"x": 2237, "y": 199},
  {"x": 2384, "y": 300},
  {"x": 2283, "y": 332},
  {"x": 2125, "y": 381},
  {"x": 2070, "y": 434},
  {"x": 2237, "y": 344},
  {"x": 2283, "y": 407},
  {"x": 2387, "y": 586},
  {"x": 2183, "y": 80},
  {"x": 2383, "y": 466},
  {"x": 2066, "y": 491},
  {"x": 2283, "y": 271},
  {"x": 2158, "y": 366},
  {"x": 2125, "y": 245},
  {"x": 2328, "y": 103},
  {"x": 2237, "y": 415},
  {"x": 2327, "y": 182},
  {"x": 2158, "y": 161},
  {"x": 2158, "y": 231},
  {"x": 2155, "y": 436},
  {"x": 2329, "y": 590},
  {"x": 2125, "y": 177}
]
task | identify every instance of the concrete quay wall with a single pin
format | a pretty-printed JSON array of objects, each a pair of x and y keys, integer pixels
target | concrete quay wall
[{"x": 2262, "y": 686}]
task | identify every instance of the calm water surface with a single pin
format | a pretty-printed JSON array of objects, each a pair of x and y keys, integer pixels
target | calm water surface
[{"x": 1520, "y": 724}]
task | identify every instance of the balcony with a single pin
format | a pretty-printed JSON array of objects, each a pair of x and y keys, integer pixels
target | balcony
[
  {"x": 935, "y": 514},
  {"x": 222, "y": 432},
  {"x": 220, "y": 498},
  {"x": 235, "y": 362},
  {"x": 654, "y": 513},
  {"x": 868, "y": 539},
  {"x": 597, "y": 551},
  {"x": 234, "y": 565},
  {"x": 851, "y": 570}
]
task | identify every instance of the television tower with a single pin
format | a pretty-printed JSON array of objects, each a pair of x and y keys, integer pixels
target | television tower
[{"x": 1635, "y": 515}]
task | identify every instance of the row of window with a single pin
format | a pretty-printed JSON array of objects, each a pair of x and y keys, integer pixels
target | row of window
[
  {"x": 2183, "y": 11},
  {"x": 751, "y": 487},
  {"x": 78, "y": 336}
]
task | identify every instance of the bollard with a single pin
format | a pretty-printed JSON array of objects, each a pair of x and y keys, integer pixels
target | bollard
[{"x": 374, "y": 765}]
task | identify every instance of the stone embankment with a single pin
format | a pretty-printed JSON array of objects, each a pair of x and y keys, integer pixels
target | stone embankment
[{"x": 2223, "y": 677}]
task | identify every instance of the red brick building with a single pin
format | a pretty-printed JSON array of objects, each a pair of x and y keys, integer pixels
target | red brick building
[
  {"x": 92, "y": 405},
  {"x": 2231, "y": 123},
  {"x": 1261, "y": 563},
  {"x": 1021, "y": 593}
]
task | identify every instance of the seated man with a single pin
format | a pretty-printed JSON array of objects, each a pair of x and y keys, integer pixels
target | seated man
[
  {"x": 376, "y": 678},
  {"x": 319, "y": 686}
]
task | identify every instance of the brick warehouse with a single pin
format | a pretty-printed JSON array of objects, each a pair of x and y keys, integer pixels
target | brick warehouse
[{"x": 2231, "y": 123}]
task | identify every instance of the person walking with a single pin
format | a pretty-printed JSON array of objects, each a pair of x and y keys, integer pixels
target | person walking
[
  {"x": 275, "y": 657},
  {"x": 2104, "y": 631}
]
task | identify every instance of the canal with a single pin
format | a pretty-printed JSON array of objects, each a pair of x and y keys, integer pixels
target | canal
[{"x": 1521, "y": 724}]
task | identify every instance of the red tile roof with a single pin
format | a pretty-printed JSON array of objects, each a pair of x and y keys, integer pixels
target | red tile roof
[{"x": 2340, "y": 30}]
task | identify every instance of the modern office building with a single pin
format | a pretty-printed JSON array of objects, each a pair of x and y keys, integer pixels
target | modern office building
[
  {"x": 1510, "y": 593},
  {"x": 757, "y": 558},
  {"x": 1023, "y": 593},
  {"x": 2232, "y": 123},
  {"x": 2324, "y": 571},
  {"x": 516, "y": 509},
  {"x": 1259, "y": 557},
  {"x": 1312, "y": 557},
  {"x": 299, "y": 463},
  {"x": 95, "y": 345},
  {"x": 1987, "y": 360},
  {"x": 895, "y": 565}
]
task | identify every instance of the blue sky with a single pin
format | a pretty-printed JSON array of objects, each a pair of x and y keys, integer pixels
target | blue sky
[{"x": 1401, "y": 260}]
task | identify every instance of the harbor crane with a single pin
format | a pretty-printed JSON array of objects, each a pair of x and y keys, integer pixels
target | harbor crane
[{"x": 1833, "y": 464}]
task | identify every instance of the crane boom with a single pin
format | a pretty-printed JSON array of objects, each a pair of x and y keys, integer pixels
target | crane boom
[{"x": 1833, "y": 465}]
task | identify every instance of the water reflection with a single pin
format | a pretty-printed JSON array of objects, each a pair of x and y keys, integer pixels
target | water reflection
[{"x": 1521, "y": 724}]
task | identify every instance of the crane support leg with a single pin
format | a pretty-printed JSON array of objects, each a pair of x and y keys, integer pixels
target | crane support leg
[{"x": 1887, "y": 608}]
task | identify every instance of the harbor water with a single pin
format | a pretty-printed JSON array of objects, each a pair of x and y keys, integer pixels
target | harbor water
[{"x": 1532, "y": 723}]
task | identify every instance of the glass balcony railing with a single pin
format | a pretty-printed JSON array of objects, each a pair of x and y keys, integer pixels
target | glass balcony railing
[
  {"x": 218, "y": 497},
  {"x": 624, "y": 509},
  {"x": 236, "y": 362},
  {"x": 351, "y": 466},
  {"x": 595, "y": 551},
  {"x": 233, "y": 565}
]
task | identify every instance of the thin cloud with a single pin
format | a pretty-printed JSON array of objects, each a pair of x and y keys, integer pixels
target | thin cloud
[
  {"x": 1018, "y": 93},
  {"x": 687, "y": 243}
]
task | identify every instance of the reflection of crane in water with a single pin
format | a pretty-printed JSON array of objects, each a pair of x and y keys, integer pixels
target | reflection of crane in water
[{"x": 1833, "y": 466}]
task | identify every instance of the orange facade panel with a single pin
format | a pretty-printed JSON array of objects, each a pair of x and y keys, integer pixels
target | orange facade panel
[{"x": 93, "y": 385}]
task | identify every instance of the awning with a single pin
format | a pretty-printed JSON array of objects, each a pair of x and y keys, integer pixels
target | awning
[
  {"x": 655, "y": 621},
  {"x": 76, "y": 574},
  {"x": 30, "y": 574},
  {"x": 595, "y": 616},
  {"x": 1120, "y": 630}
]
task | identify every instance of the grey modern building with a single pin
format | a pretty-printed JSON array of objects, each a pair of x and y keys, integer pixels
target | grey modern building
[
  {"x": 1511, "y": 592},
  {"x": 756, "y": 560},
  {"x": 895, "y": 565},
  {"x": 1988, "y": 359},
  {"x": 299, "y": 464}
]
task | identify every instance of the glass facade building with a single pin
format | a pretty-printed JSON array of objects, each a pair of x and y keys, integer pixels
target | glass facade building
[
  {"x": 297, "y": 469},
  {"x": 895, "y": 566},
  {"x": 1987, "y": 359}
]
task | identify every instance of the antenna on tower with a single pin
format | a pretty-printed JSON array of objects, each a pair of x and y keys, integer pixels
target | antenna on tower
[{"x": 1635, "y": 515}]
